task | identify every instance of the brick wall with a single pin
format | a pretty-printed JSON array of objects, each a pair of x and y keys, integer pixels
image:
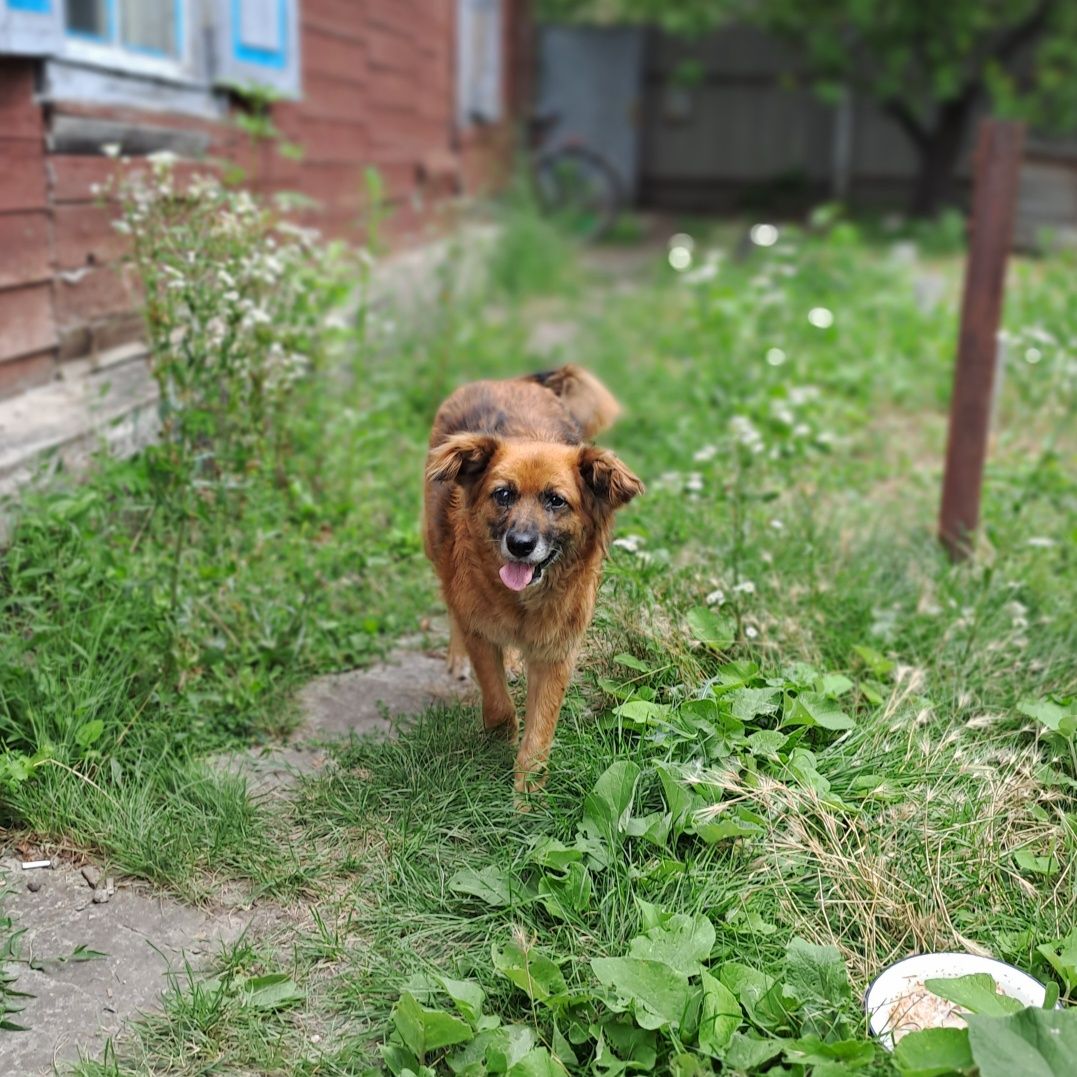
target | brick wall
[{"x": 378, "y": 90}]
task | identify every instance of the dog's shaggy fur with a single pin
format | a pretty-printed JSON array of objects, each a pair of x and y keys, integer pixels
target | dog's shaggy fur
[{"x": 518, "y": 511}]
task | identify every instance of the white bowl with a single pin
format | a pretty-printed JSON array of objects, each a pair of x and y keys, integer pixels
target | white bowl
[{"x": 899, "y": 981}]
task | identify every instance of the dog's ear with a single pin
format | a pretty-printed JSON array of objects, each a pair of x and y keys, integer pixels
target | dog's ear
[
  {"x": 461, "y": 458},
  {"x": 607, "y": 477}
]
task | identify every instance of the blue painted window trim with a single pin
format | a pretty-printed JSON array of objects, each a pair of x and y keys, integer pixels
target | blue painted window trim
[
  {"x": 275, "y": 58},
  {"x": 38, "y": 7},
  {"x": 112, "y": 35}
]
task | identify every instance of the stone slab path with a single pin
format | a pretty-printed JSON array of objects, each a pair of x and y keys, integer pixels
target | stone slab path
[{"x": 78, "y": 1005}]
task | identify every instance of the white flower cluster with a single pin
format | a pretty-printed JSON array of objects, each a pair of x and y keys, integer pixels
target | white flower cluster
[{"x": 746, "y": 433}]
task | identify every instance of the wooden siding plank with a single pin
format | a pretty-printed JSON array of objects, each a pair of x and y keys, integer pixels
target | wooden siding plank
[
  {"x": 20, "y": 114},
  {"x": 83, "y": 235},
  {"x": 24, "y": 248},
  {"x": 22, "y": 175},
  {"x": 26, "y": 372},
  {"x": 26, "y": 324}
]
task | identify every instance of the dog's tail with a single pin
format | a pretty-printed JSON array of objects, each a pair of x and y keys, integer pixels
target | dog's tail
[{"x": 588, "y": 401}]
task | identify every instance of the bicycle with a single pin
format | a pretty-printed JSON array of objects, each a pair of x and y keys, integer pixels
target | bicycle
[{"x": 573, "y": 183}]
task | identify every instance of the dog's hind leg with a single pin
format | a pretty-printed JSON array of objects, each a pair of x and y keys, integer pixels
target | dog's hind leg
[
  {"x": 488, "y": 662},
  {"x": 546, "y": 684},
  {"x": 456, "y": 661}
]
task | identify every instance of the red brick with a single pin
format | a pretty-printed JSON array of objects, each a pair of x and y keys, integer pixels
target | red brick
[
  {"x": 20, "y": 114},
  {"x": 22, "y": 175},
  {"x": 332, "y": 98},
  {"x": 391, "y": 50},
  {"x": 400, "y": 15},
  {"x": 333, "y": 55},
  {"x": 26, "y": 324},
  {"x": 24, "y": 248},
  {"x": 346, "y": 18},
  {"x": 72, "y": 178},
  {"x": 87, "y": 295},
  {"x": 26, "y": 372},
  {"x": 83, "y": 235}
]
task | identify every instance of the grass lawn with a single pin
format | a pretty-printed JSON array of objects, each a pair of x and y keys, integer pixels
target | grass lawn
[{"x": 800, "y": 744}]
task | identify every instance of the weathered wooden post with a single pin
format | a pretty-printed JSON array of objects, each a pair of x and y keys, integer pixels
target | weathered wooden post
[{"x": 994, "y": 200}]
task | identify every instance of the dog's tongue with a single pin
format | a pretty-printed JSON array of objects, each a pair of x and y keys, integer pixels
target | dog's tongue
[{"x": 516, "y": 576}]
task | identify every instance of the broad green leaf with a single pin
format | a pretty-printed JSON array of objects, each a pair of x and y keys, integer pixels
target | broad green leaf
[
  {"x": 89, "y": 732},
  {"x": 879, "y": 665},
  {"x": 760, "y": 996},
  {"x": 934, "y": 1052},
  {"x": 834, "y": 684},
  {"x": 621, "y": 1045},
  {"x": 271, "y": 992},
  {"x": 749, "y": 703},
  {"x": 1062, "y": 955},
  {"x": 531, "y": 970},
  {"x": 682, "y": 942},
  {"x": 811, "y": 708},
  {"x": 642, "y": 710},
  {"x": 548, "y": 852},
  {"x": 766, "y": 743},
  {"x": 490, "y": 884},
  {"x": 467, "y": 996},
  {"x": 1055, "y": 717},
  {"x": 816, "y": 976},
  {"x": 607, "y": 807},
  {"x": 653, "y": 827},
  {"x": 977, "y": 993},
  {"x": 680, "y": 800},
  {"x": 631, "y": 662},
  {"x": 1032, "y": 1043},
  {"x": 425, "y": 1030},
  {"x": 802, "y": 766},
  {"x": 536, "y": 1063},
  {"x": 732, "y": 823},
  {"x": 814, "y": 1051},
  {"x": 1028, "y": 861},
  {"x": 720, "y": 1016},
  {"x": 567, "y": 893},
  {"x": 711, "y": 629},
  {"x": 744, "y": 1052},
  {"x": 659, "y": 994},
  {"x": 748, "y": 922}
]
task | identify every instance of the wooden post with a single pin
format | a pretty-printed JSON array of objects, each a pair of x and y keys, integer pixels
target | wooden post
[{"x": 994, "y": 201}]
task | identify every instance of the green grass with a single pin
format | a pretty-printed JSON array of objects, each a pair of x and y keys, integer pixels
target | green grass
[{"x": 944, "y": 819}]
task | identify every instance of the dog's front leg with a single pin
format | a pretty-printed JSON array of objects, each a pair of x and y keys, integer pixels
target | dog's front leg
[
  {"x": 488, "y": 664},
  {"x": 546, "y": 684}
]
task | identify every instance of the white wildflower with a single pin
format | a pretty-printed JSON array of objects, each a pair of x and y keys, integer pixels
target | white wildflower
[
  {"x": 821, "y": 317},
  {"x": 707, "y": 452},
  {"x": 1041, "y": 542},
  {"x": 716, "y": 597},
  {"x": 745, "y": 587}
]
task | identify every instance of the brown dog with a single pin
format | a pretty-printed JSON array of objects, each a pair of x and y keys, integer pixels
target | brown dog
[{"x": 518, "y": 512}]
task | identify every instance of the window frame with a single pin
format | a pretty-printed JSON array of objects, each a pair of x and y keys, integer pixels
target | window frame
[{"x": 110, "y": 54}]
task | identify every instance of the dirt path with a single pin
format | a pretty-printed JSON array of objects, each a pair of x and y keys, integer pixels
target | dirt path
[{"x": 77, "y": 1005}]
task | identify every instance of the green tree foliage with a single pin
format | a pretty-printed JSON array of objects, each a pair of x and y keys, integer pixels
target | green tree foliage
[{"x": 928, "y": 65}]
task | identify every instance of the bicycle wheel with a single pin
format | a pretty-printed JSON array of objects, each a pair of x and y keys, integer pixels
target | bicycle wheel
[{"x": 578, "y": 188}]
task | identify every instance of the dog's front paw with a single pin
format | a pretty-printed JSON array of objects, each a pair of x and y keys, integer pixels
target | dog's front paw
[
  {"x": 530, "y": 779},
  {"x": 500, "y": 723},
  {"x": 458, "y": 667}
]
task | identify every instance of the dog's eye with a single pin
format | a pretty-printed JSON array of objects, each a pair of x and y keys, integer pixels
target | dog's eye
[
  {"x": 503, "y": 496},
  {"x": 555, "y": 501}
]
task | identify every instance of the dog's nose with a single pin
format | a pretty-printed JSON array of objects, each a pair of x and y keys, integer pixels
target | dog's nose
[{"x": 521, "y": 543}]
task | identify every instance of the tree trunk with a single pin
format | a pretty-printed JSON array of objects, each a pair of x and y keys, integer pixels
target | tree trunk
[{"x": 938, "y": 152}]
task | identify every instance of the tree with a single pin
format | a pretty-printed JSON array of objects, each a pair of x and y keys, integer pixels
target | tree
[{"x": 929, "y": 64}]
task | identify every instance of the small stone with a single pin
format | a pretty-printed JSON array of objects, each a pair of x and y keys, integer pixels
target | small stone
[
  {"x": 34, "y": 883},
  {"x": 110, "y": 1009},
  {"x": 100, "y": 896},
  {"x": 91, "y": 875},
  {"x": 110, "y": 885}
]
